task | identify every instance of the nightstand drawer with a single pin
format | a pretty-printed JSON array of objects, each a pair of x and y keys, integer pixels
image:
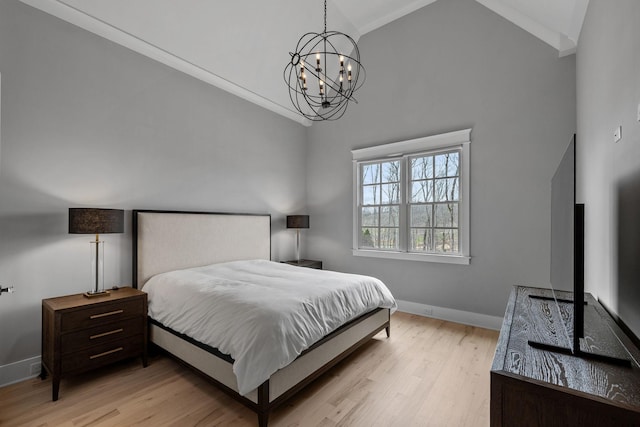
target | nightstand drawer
[
  {"x": 104, "y": 313},
  {"x": 85, "y": 338},
  {"x": 100, "y": 355}
]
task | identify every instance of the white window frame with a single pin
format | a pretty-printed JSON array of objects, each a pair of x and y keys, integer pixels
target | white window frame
[{"x": 460, "y": 140}]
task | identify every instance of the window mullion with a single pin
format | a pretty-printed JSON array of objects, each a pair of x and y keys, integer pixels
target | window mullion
[
  {"x": 359, "y": 195},
  {"x": 403, "y": 231},
  {"x": 379, "y": 205}
]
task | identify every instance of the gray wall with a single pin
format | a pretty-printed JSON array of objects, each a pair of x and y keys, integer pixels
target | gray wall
[
  {"x": 448, "y": 66},
  {"x": 608, "y": 93},
  {"x": 88, "y": 123}
]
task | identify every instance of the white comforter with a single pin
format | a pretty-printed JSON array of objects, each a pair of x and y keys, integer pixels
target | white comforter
[{"x": 262, "y": 313}]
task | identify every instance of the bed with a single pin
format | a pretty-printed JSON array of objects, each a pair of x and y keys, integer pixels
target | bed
[{"x": 166, "y": 241}]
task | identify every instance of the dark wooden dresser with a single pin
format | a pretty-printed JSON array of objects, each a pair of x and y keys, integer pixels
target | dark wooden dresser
[
  {"x": 534, "y": 387},
  {"x": 80, "y": 334}
]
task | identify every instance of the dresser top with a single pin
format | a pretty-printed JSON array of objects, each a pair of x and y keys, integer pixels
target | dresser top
[
  {"x": 79, "y": 300},
  {"x": 542, "y": 321}
]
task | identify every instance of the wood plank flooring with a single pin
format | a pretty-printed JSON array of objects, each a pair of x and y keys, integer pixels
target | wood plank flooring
[{"x": 429, "y": 373}]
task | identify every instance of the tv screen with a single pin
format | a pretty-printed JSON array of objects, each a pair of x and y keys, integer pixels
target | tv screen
[
  {"x": 567, "y": 242},
  {"x": 563, "y": 201},
  {"x": 567, "y": 264}
]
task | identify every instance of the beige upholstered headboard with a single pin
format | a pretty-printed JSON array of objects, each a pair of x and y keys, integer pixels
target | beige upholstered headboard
[{"x": 171, "y": 240}]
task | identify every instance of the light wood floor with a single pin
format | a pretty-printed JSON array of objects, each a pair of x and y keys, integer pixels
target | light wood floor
[{"x": 429, "y": 373}]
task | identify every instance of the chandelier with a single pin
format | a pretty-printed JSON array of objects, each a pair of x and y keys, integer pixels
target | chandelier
[{"x": 323, "y": 74}]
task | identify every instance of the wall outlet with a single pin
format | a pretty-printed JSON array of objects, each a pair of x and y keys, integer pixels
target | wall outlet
[
  {"x": 35, "y": 368},
  {"x": 617, "y": 134},
  {"x": 639, "y": 111}
]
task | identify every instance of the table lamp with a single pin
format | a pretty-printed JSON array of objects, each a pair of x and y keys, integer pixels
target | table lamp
[
  {"x": 298, "y": 222},
  {"x": 96, "y": 221}
]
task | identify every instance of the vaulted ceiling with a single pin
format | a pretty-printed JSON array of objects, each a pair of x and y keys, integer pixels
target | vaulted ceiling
[{"x": 242, "y": 46}]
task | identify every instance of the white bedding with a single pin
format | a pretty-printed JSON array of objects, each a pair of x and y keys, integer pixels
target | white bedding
[{"x": 262, "y": 313}]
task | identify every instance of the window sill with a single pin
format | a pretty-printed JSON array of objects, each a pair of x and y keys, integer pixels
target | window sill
[{"x": 409, "y": 256}]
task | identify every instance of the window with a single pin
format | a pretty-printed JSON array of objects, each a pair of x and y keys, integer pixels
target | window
[
  {"x": 380, "y": 207},
  {"x": 411, "y": 199}
]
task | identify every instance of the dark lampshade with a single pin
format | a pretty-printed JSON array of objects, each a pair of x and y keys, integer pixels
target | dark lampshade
[
  {"x": 95, "y": 221},
  {"x": 297, "y": 221}
]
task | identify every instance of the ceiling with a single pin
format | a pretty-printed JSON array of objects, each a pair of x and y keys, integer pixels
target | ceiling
[{"x": 242, "y": 46}]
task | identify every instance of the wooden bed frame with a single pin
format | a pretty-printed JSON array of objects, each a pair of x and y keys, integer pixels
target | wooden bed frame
[{"x": 170, "y": 240}]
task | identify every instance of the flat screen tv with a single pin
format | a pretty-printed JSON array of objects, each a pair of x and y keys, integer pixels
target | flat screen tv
[{"x": 567, "y": 260}]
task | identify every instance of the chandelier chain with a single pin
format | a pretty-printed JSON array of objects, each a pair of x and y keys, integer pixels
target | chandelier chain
[{"x": 325, "y": 16}]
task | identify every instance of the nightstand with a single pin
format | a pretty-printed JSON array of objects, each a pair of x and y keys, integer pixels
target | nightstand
[
  {"x": 309, "y": 263},
  {"x": 80, "y": 334}
]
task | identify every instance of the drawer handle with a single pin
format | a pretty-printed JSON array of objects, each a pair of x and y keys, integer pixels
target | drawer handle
[
  {"x": 106, "y": 353},
  {"x": 115, "y": 331},
  {"x": 111, "y": 313}
]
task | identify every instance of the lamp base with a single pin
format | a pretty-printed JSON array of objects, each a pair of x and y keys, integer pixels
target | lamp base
[{"x": 93, "y": 294}]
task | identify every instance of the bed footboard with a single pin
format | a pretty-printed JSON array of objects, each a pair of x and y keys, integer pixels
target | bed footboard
[{"x": 286, "y": 382}]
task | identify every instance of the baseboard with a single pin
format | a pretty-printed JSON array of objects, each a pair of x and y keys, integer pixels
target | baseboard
[
  {"x": 30, "y": 368},
  {"x": 451, "y": 315},
  {"x": 20, "y": 371}
]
